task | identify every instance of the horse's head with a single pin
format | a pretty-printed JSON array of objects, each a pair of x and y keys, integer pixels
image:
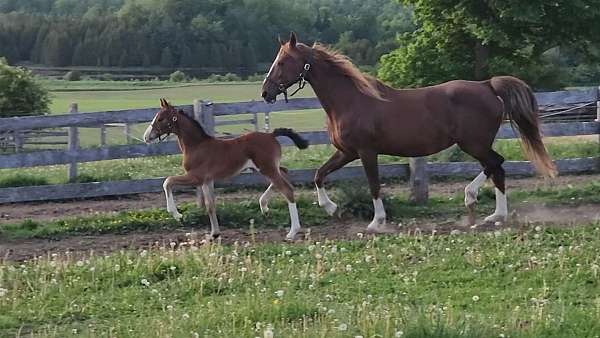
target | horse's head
[
  {"x": 289, "y": 67},
  {"x": 164, "y": 122}
]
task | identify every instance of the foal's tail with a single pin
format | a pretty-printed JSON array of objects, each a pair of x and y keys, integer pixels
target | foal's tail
[
  {"x": 296, "y": 138},
  {"x": 521, "y": 108}
]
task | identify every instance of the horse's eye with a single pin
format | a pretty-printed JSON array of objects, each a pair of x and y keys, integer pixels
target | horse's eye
[
  {"x": 280, "y": 63},
  {"x": 160, "y": 119}
]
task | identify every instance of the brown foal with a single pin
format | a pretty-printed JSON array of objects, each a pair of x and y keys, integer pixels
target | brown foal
[
  {"x": 206, "y": 159},
  {"x": 366, "y": 118}
]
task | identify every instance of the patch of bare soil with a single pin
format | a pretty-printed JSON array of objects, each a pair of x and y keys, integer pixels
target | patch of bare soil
[
  {"x": 12, "y": 213},
  {"x": 103, "y": 244}
]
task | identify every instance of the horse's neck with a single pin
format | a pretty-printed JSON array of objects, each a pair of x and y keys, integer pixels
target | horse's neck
[
  {"x": 335, "y": 91},
  {"x": 189, "y": 135}
]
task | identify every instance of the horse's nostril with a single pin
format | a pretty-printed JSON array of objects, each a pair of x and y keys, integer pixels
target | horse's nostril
[{"x": 264, "y": 94}]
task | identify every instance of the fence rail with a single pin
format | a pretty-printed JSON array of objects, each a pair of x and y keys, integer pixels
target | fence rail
[{"x": 205, "y": 112}]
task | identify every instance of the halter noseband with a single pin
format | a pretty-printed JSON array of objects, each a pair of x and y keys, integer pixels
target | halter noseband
[
  {"x": 170, "y": 126},
  {"x": 300, "y": 80}
]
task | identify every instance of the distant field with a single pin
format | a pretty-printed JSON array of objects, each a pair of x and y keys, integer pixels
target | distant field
[{"x": 118, "y": 95}]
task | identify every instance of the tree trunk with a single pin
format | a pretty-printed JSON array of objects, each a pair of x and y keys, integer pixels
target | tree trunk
[{"x": 482, "y": 59}]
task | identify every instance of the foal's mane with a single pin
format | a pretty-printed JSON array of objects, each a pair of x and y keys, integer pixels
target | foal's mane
[
  {"x": 194, "y": 123},
  {"x": 366, "y": 84}
]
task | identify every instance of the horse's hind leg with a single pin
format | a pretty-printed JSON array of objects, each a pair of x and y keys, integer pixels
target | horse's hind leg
[
  {"x": 282, "y": 185},
  {"x": 338, "y": 160},
  {"x": 492, "y": 164},
  {"x": 209, "y": 198},
  {"x": 263, "y": 201},
  {"x": 369, "y": 161},
  {"x": 497, "y": 172},
  {"x": 168, "y": 188}
]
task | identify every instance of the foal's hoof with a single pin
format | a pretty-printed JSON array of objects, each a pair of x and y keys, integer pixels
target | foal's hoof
[
  {"x": 378, "y": 227},
  {"x": 177, "y": 216},
  {"x": 215, "y": 236},
  {"x": 471, "y": 214}
]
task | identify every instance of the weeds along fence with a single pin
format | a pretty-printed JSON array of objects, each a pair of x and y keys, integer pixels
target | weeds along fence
[{"x": 553, "y": 104}]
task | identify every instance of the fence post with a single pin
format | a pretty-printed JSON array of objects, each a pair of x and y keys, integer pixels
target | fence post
[
  {"x": 19, "y": 140},
  {"x": 267, "y": 121},
  {"x": 127, "y": 130},
  {"x": 203, "y": 113},
  {"x": 255, "y": 118},
  {"x": 73, "y": 144},
  {"x": 102, "y": 135},
  {"x": 419, "y": 188}
]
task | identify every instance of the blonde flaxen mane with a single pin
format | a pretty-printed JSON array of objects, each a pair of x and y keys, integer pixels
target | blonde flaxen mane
[{"x": 364, "y": 83}]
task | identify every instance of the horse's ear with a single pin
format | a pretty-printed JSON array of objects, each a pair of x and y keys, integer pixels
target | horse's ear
[
  {"x": 281, "y": 42},
  {"x": 162, "y": 103},
  {"x": 293, "y": 40}
]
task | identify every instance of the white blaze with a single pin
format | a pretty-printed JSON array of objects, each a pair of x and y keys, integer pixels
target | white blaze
[
  {"x": 148, "y": 131},
  {"x": 272, "y": 66}
]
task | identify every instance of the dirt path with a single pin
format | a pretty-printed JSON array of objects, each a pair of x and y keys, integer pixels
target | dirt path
[
  {"x": 11, "y": 213},
  {"x": 101, "y": 244}
]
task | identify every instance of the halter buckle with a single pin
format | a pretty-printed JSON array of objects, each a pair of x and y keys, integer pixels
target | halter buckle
[{"x": 307, "y": 67}]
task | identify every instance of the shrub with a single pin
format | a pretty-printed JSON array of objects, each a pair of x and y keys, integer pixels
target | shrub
[
  {"x": 230, "y": 77},
  {"x": 256, "y": 77},
  {"x": 73, "y": 75},
  {"x": 21, "y": 180},
  {"x": 177, "y": 76},
  {"x": 20, "y": 94}
]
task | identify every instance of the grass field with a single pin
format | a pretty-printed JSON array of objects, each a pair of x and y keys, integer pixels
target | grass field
[{"x": 535, "y": 283}]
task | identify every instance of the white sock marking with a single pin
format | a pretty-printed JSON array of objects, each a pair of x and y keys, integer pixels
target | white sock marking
[
  {"x": 263, "y": 201},
  {"x": 379, "y": 217},
  {"x": 501, "y": 211},
  {"x": 472, "y": 189},
  {"x": 295, "y": 221},
  {"x": 325, "y": 202}
]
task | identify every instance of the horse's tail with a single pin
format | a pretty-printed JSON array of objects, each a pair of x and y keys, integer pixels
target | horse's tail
[
  {"x": 295, "y": 137},
  {"x": 521, "y": 108}
]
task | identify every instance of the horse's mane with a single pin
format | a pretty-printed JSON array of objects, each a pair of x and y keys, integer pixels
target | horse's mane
[{"x": 366, "y": 84}]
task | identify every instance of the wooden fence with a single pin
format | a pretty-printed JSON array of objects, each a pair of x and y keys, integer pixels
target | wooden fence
[{"x": 206, "y": 113}]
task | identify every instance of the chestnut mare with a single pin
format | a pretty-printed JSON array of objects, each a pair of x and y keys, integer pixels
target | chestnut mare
[
  {"x": 206, "y": 159},
  {"x": 366, "y": 117}
]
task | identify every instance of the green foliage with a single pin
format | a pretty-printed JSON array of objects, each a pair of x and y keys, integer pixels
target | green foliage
[
  {"x": 73, "y": 75},
  {"x": 522, "y": 283},
  {"x": 233, "y": 36},
  {"x": 20, "y": 94},
  {"x": 22, "y": 180},
  {"x": 474, "y": 40},
  {"x": 177, "y": 76}
]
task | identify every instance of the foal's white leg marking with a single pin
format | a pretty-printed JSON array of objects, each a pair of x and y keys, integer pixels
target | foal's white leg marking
[
  {"x": 200, "y": 201},
  {"x": 263, "y": 201},
  {"x": 472, "y": 189},
  {"x": 171, "y": 207},
  {"x": 378, "y": 218},
  {"x": 325, "y": 202},
  {"x": 209, "y": 197},
  {"x": 501, "y": 212},
  {"x": 295, "y": 221}
]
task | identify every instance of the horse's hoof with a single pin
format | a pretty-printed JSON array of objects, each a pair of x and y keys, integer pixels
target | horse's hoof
[
  {"x": 330, "y": 208},
  {"x": 496, "y": 219},
  {"x": 177, "y": 216},
  {"x": 378, "y": 227},
  {"x": 471, "y": 214},
  {"x": 215, "y": 236}
]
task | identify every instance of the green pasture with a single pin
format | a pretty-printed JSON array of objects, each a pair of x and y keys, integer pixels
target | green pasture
[{"x": 538, "y": 281}]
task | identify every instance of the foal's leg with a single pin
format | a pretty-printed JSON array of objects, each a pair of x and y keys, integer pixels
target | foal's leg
[
  {"x": 263, "y": 201},
  {"x": 284, "y": 186},
  {"x": 369, "y": 161},
  {"x": 168, "y": 188},
  {"x": 209, "y": 198},
  {"x": 338, "y": 160}
]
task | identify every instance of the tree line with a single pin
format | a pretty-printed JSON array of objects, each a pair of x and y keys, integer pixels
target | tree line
[{"x": 232, "y": 35}]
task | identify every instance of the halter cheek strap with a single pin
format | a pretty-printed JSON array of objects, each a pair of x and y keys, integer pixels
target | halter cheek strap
[
  {"x": 170, "y": 127},
  {"x": 300, "y": 80}
]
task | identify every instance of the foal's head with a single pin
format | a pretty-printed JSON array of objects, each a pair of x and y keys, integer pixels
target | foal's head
[
  {"x": 164, "y": 123},
  {"x": 290, "y": 65}
]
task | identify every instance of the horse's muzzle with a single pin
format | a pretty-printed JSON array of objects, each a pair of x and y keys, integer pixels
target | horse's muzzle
[{"x": 269, "y": 98}]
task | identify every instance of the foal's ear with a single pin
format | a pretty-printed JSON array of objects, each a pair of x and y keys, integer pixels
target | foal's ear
[
  {"x": 164, "y": 104},
  {"x": 293, "y": 40}
]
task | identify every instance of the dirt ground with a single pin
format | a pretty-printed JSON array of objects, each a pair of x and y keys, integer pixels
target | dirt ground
[{"x": 523, "y": 213}]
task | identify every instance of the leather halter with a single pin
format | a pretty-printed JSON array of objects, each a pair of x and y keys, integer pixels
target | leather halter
[
  {"x": 300, "y": 80},
  {"x": 170, "y": 127}
]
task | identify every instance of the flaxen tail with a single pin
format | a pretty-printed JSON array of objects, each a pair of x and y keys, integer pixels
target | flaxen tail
[
  {"x": 296, "y": 138},
  {"x": 521, "y": 108}
]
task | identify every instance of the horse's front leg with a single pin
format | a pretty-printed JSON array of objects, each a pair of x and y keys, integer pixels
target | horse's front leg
[
  {"x": 209, "y": 197},
  {"x": 168, "y": 188},
  {"x": 338, "y": 160},
  {"x": 369, "y": 161}
]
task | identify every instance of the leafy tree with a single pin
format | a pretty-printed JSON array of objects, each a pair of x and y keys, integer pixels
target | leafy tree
[
  {"x": 19, "y": 93},
  {"x": 166, "y": 58},
  {"x": 474, "y": 39}
]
